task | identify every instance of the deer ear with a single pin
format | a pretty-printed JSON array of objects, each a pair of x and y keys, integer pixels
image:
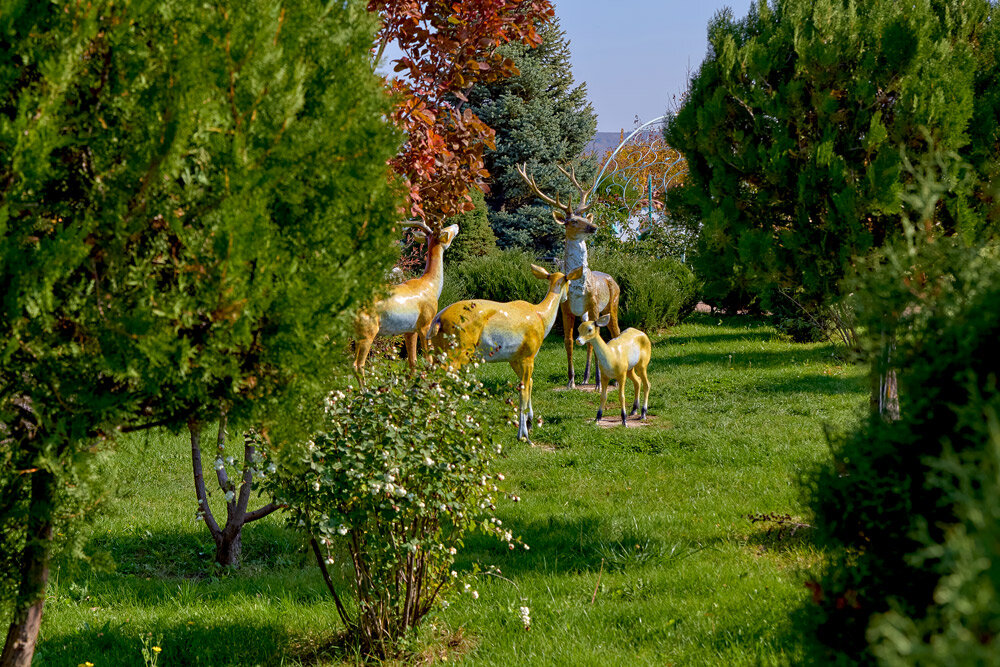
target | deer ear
[
  {"x": 418, "y": 235},
  {"x": 603, "y": 322},
  {"x": 575, "y": 274},
  {"x": 559, "y": 217},
  {"x": 448, "y": 235},
  {"x": 539, "y": 272}
]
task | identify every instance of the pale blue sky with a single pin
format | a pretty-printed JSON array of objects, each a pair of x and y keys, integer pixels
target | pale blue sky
[{"x": 635, "y": 54}]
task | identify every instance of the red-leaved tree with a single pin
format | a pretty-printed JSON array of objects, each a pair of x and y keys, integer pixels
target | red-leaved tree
[{"x": 447, "y": 46}]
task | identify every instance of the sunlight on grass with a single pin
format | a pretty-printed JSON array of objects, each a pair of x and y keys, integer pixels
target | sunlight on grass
[{"x": 641, "y": 551}]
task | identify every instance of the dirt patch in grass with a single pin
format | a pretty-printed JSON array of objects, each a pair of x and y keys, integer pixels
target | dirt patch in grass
[{"x": 611, "y": 421}]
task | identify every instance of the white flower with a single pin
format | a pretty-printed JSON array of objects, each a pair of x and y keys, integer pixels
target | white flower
[
  {"x": 231, "y": 460},
  {"x": 525, "y": 617},
  {"x": 475, "y": 595},
  {"x": 219, "y": 465},
  {"x": 428, "y": 461},
  {"x": 453, "y": 551},
  {"x": 316, "y": 485},
  {"x": 454, "y": 574},
  {"x": 329, "y": 561},
  {"x": 342, "y": 529},
  {"x": 500, "y": 476},
  {"x": 400, "y": 491},
  {"x": 229, "y": 496},
  {"x": 389, "y": 478},
  {"x": 272, "y": 468},
  {"x": 466, "y": 588}
]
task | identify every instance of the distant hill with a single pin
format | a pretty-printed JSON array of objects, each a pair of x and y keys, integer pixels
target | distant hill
[{"x": 603, "y": 142}]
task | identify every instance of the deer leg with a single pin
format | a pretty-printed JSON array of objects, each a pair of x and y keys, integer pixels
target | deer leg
[
  {"x": 621, "y": 397},
  {"x": 365, "y": 329},
  {"x": 635, "y": 383},
  {"x": 523, "y": 369},
  {"x": 645, "y": 391},
  {"x": 568, "y": 321},
  {"x": 604, "y": 399},
  {"x": 425, "y": 344},
  {"x": 411, "y": 349}
]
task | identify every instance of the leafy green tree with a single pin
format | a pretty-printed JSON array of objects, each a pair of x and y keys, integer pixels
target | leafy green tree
[
  {"x": 542, "y": 118},
  {"x": 184, "y": 231},
  {"x": 476, "y": 238},
  {"x": 798, "y": 125}
]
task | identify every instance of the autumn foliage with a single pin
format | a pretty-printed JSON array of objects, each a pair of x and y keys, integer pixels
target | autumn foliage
[
  {"x": 646, "y": 158},
  {"x": 446, "y": 48}
]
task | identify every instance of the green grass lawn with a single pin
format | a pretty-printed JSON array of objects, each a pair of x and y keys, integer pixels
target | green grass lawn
[{"x": 653, "y": 519}]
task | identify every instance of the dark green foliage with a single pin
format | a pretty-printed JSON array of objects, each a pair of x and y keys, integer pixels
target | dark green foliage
[
  {"x": 797, "y": 126},
  {"x": 475, "y": 237},
  {"x": 655, "y": 292},
  {"x": 541, "y": 118},
  {"x": 501, "y": 276},
  {"x": 897, "y": 488},
  {"x": 182, "y": 225}
]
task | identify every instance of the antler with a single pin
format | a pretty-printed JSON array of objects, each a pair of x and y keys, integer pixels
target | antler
[
  {"x": 584, "y": 192},
  {"x": 419, "y": 224},
  {"x": 522, "y": 169}
]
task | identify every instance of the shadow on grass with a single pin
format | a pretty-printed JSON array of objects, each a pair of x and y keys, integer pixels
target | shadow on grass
[
  {"x": 741, "y": 337},
  {"x": 740, "y": 360},
  {"x": 828, "y": 385},
  {"x": 191, "y": 553},
  {"x": 214, "y": 643},
  {"x": 577, "y": 545}
]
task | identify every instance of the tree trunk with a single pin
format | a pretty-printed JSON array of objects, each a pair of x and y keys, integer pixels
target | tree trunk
[
  {"x": 19, "y": 647},
  {"x": 229, "y": 546},
  {"x": 884, "y": 397}
]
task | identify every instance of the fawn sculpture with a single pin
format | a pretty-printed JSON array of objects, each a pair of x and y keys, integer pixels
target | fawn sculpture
[
  {"x": 511, "y": 332},
  {"x": 593, "y": 293},
  {"x": 624, "y": 356},
  {"x": 410, "y": 306}
]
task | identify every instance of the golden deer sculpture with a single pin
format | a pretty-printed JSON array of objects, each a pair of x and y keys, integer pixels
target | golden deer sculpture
[
  {"x": 511, "y": 332},
  {"x": 410, "y": 306},
  {"x": 591, "y": 295},
  {"x": 624, "y": 356}
]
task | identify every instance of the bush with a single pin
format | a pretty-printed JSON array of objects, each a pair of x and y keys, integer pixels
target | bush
[
  {"x": 500, "y": 276},
  {"x": 655, "y": 292},
  {"x": 399, "y": 476},
  {"x": 904, "y": 509}
]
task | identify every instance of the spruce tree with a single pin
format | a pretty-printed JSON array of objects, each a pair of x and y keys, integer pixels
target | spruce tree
[
  {"x": 476, "y": 238},
  {"x": 542, "y": 118},
  {"x": 192, "y": 199}
]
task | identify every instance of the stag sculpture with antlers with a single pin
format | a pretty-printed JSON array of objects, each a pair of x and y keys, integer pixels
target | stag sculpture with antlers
[
  {"x": 593, "y": 294},
  {"x": 410, "y": 306}
]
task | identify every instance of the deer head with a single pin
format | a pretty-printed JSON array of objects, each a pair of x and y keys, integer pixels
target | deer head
[
  {"x": 588, "y": 330},
  {"x": 421, "y": 232},
  {"x": 558, "y": 282},
  {"x": 576, "y": 220}
]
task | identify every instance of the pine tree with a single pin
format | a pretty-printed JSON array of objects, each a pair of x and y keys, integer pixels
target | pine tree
[
  {"x": 542, "y": 118},
  {"x": 184, "y": 231},
  {"x": 799, "y": 125}
]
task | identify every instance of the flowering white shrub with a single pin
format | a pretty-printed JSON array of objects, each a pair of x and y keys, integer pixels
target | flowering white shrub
[{"x": 400, "y": 474}]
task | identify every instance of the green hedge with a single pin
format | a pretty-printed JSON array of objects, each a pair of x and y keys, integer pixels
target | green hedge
[
  {"x": 499, "y": 276},
  {"x": 656, "y": 292}
]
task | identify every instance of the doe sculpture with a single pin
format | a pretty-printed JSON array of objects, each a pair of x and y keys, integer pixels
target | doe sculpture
[
  {"x": 410, "y": 306},
  {"x": 624, "y": 356},
  {"x": 511, "y": 332}
]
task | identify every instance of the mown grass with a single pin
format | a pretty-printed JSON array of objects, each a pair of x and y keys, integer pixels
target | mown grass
[{"x": 640, "y": 547}]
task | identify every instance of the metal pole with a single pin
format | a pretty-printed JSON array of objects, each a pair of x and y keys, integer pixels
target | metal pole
[{"x": 649, "y": 198}]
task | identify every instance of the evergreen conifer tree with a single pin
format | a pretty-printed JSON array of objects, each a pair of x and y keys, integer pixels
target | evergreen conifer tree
[
  {"x": 542, "y": 118},
  {"x": 476, "y": 238},
  {"x": 184, "y": 231},
  {"x": 800, "y": 123}
]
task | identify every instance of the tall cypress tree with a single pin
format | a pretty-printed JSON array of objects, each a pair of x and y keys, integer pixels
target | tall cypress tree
[{"x": 542, "y": 118}]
